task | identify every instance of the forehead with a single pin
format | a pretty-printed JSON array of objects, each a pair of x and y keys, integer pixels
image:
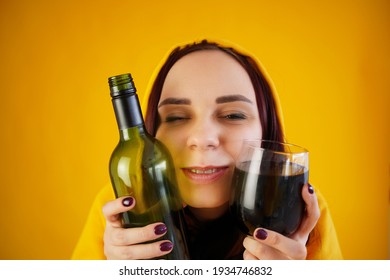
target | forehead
[{"x": 208, "y": 70}]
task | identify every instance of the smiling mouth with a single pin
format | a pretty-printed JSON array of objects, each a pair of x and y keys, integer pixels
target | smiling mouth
[
  {"x": 204, "y": 175},
  {"x": 204, "y": 171}
]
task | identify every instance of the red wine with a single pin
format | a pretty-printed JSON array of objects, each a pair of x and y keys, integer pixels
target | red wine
[{"x": 268, "y": 200}]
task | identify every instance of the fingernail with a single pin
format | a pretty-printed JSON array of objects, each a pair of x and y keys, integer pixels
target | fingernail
[
  {"x": 310, "y": 189},
  {"x": 160, "y": 229},
  {"x": 128, "y": 201},
  {"x": 261, "y": 234},
  {"x": 166, "y": 246}
]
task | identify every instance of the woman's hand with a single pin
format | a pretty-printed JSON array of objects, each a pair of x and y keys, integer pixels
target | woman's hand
[
  {"x": 267, "y": 245},
  {"x": 127, "y": 243}
]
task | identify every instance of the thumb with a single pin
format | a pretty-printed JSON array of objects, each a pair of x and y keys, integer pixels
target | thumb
[
  {"x": 113, "y": 209},
  {"x": 312, "y": 213}
]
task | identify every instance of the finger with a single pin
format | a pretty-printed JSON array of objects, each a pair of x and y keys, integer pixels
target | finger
[
  {"x": 130, "y": 236},
  {"x": 312, "y": 213},
  {"x": 113, "y": 208},
  {"x": 143, "y": 251},
  {"x": 260, "y": 250},
  {"x": 248, "y": 256},
  {"x": 281, "y": 244}
]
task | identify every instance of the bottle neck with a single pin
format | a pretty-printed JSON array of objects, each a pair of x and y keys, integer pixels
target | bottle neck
[
  {"x": 132, "y": 133},
  {"x": 127, "y": 111}
]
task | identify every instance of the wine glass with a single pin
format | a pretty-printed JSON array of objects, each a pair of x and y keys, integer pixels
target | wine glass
[{"x": 267, "y": 184}]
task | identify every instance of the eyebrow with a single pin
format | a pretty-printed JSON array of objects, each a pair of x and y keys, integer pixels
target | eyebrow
[
  {"x": 232, "y": 98},
  {"x": 218, "y": 100},
  {"x": 175, "y": 101}
]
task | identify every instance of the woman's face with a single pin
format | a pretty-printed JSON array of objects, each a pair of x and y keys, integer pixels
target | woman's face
[{"x": 207, "y": 107}]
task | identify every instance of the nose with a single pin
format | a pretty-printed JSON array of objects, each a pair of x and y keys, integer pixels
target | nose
[{"x": 203, "y": 136}]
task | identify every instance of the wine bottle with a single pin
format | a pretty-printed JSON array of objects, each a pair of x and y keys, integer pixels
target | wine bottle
[{"x": 141, "y": 166}]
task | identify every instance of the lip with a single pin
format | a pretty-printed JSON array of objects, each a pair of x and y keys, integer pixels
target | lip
[{"x": 204, "y": 175}]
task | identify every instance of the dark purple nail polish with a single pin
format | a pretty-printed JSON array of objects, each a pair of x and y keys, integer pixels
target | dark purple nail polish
[
  {"x": 166, "y": 246},
  {"x": 160, "y": 229},
  {"x": 310, "y": 189},
  {"x": 261, "y": 234},
  {"x": 128, "y": 201}
]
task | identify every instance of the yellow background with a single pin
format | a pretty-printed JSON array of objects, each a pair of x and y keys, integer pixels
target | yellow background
[{"x": 328, "y": 59}]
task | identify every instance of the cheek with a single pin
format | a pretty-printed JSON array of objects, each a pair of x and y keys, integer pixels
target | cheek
[
  {"x": 234, "y": 150},
  {"x": 233, "y": 144},
  {"x": 173, "y": 143}
]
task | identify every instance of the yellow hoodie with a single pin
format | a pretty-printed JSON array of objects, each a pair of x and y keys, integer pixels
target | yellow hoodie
[{"x": 323, "y": 242}]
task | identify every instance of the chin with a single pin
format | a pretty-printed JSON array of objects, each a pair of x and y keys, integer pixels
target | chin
[
  {"x": 204, "y": 196},
  {"x": 201, "y": 202}
]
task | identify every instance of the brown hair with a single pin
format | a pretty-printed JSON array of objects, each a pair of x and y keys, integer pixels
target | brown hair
[{"x": 269, "y": 118}]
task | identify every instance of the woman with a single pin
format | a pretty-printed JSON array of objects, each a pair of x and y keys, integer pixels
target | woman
[{"x": 205, "y": 100}]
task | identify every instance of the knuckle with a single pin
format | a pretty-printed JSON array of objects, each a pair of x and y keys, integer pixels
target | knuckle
[
  {"x": 246, "y": 255},
  {"x": 247, "y": 241},
  {"x": 317, "y": 214},
  {"x": 118, "y": 236},
  {"x": 105, "y": 210},
  {"x": 273, "y": 239},
  {"x": 259, "y": 250},
  {"x": 126, "y": 253},
  {"x": 301, "y": 253},
  {"x": 144, "y": 233}
]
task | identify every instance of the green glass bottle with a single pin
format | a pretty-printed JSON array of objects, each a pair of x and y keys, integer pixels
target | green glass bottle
[{"x": 141, "y": 166}]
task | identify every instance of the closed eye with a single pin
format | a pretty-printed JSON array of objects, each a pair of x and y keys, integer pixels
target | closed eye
[
  {"x": 171, "y": 119},
  {"x": 234, "y": 116}
]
